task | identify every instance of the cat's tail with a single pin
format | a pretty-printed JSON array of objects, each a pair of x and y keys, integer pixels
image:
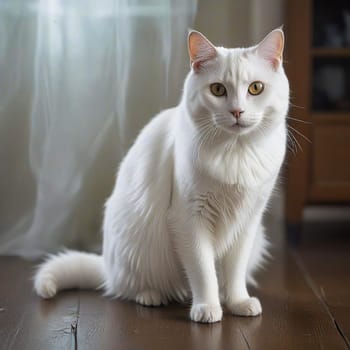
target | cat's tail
[{"x": 67, "y": 270}]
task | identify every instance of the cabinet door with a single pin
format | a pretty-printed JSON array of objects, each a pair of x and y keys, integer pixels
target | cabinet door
[
  {"x": 330, "y": 102},
  {"x": 330, "y": 168},
  {"x": 298, "y": 69},
  {"x": 318, "y": 67}
]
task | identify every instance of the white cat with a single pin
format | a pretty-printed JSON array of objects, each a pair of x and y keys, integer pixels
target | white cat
[{"x": 184, "y": 219}]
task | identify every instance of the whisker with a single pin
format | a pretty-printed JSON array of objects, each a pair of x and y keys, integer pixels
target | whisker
[
  {"x": 300, "y": 134},
  {"x": 299, "y": 120},
  {"x": 203, "y": 123},
  {"x": 291, "y": 145},
  {"x": 295, "y": 140},
  {"x": 291, "y": 149},
  {"x": 296, "y": 106},
  {"x": 204, "y": 134}
]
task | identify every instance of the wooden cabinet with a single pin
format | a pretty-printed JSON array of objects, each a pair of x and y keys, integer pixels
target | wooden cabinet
[{"x": 317, "y": 62}]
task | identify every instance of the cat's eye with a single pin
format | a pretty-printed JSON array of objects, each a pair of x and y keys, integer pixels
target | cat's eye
[
  {"x": 217, "y": 89},
  {"x": 256, "y": 88}
]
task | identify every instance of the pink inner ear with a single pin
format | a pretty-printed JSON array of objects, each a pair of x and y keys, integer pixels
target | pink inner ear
[
  {"x": 200, "y": 49},
  {"x": 271, "y": 48}
]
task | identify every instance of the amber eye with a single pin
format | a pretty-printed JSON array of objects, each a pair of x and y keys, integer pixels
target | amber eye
[
  {"x": 256, "y": 88},
  {"x": 217, "y": 89}
]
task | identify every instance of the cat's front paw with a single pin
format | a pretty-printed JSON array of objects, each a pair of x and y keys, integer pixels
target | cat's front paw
[
  {"x": 206, "y": 313},
  {"x": 246, "y": 307}
]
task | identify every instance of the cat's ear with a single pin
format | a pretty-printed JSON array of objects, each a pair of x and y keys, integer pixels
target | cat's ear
[
  {"x": 271, "y": 47},
  {"x": 200, "y": 50}
]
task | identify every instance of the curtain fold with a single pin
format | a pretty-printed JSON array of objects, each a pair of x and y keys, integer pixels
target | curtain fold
[{"x": 78, "y": 81}]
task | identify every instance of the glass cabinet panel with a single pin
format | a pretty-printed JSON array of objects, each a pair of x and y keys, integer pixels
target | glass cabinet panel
[
  {"x": 331, "y": 84},
  {"x": 331, "y": 24}
]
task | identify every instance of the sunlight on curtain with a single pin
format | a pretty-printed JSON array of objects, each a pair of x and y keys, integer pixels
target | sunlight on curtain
[{"x": 78, "y": 80}]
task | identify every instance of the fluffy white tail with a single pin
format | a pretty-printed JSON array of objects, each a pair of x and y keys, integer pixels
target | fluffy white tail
[{"x": 67, "y": 270}]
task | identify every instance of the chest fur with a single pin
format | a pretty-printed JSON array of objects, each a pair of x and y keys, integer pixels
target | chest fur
[
  {"x": 227, "y": 208},
  {"x": 227, "y": 213}
]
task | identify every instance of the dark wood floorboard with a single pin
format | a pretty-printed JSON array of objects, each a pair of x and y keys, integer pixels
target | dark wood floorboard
[
  {"x": 26, "y": 322},
  {"x": 294, "y": 316},
  {"x": 293, "y": 319},
  {"x": 326, "y": 262}
]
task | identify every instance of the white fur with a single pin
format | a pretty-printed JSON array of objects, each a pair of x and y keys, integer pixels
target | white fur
[
  {"x": 78, "y": 269},
  {"x": 184, "y": 218}
]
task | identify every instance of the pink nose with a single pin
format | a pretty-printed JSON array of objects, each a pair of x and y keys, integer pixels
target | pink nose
[{"x": 237, "y": 113}]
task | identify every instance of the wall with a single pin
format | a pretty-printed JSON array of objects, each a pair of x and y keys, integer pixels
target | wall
[{"x": 238, "y": 23}]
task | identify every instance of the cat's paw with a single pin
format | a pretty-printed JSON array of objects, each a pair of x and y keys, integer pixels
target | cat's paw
[
  {"x": 247, "y": 307},
  {"x": 150, "y": 298},
  {"x": 45, "y": 285},
  {"x": 206, "y": 313}
]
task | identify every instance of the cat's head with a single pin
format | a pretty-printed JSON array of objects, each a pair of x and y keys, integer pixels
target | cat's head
[{"x": 237, "y": 91}]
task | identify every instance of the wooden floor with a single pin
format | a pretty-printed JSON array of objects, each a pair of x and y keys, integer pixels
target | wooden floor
[{"x": 305, "y": 295}]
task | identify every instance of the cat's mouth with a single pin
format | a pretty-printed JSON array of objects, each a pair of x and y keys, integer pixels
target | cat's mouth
[
  {"x": 238, "y": 126},
  {"x": 241, "y": 126}
]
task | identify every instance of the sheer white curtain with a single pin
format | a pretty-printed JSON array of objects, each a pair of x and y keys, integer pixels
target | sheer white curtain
[{"x": 78, "y": 80}]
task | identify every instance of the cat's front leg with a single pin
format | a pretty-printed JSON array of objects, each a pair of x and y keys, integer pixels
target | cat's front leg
[
  {"x": 197, "y": 255},
  {"x": 234, "y": 266}
]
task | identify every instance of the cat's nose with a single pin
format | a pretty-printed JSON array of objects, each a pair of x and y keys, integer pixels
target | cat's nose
[{"x": 237, "y": 113}]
